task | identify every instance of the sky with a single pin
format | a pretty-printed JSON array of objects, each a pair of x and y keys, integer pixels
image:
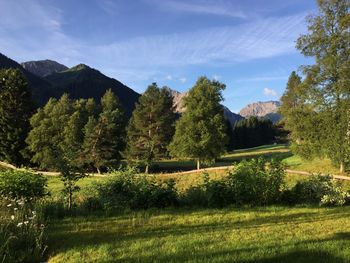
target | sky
[{"x": 247, "y": 44}]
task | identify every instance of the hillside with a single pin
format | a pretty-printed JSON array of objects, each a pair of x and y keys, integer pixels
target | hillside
[
  {"x": 41, "y": 90},
  {"x": 43, "y": 68},
  {"x": 82, "y": 81},
  {"x": 267, "y": 109}
]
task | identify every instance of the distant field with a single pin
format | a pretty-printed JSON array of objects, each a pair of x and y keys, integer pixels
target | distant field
[
  {"x": 281, "y": 152},
  {"x": 272, "y": 234}
]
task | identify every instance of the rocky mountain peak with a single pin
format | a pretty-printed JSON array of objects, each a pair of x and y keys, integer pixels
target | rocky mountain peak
[{"x": 43, "y": 68}]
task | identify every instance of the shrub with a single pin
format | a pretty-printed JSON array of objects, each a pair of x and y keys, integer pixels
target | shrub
[
  {"x": 318, "y": 189},
  {"x": 15, "y": 185},
  {"x": 128, "y": 189},
  {"x": 257, "y": 182}
]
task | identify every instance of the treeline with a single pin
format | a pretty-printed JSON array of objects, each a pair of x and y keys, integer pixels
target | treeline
[
  {"x": 251, "y": 132},
  {"x": 74, "y": 136}
]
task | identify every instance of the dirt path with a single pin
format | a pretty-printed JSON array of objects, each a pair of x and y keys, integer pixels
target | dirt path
[{"x": 340, "y": 177}]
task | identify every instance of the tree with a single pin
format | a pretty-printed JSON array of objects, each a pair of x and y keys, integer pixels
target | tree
[
  {"x": 201, "y": 131},
  {"x": 322, "y": 100},
  {"x": 105, "y": 138},
  {"x": 151, "y": 126},
  {"x": 15, "y": 111},
  {"x": 253, "y": 132}
]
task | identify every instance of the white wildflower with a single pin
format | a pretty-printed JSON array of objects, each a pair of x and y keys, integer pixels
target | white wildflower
[
  {"x": 19, "y": 224},
  {"x": 13, "y": 217},
  {"x": 9, "y": 205},
  {"x": 26, "y": 222}
]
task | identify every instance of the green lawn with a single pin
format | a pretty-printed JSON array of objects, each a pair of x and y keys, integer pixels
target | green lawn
[{"x": 272, "y": 234}]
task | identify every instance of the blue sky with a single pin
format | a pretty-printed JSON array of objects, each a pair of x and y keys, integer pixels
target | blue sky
[{"x": 247, "y": 44}]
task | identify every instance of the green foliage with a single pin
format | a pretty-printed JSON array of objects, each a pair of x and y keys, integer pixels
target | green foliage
[
  {"x": 201, "y": 131},
  {"x": 105, "y": 138},
  {"x": 16, "y": 185},
  {"x": 316, "y": 110},
  {"x": 319, "y": 189},
  {"x": 22, "y": 234},
  {"x": 15, "y": 110},
  {"x": 128, "y": 189},
  {"x": 151, "y": 126},
  {"x": 252, "y": 132},
  {"x": 77, "y": 133},
  {"x": 257, "y": 182},
  {"x": 254, "y": 182}
]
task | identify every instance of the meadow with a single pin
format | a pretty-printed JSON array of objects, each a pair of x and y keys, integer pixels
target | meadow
[
  {"x": 245, "y": 234},
  {"x": 232, "y": 234}
]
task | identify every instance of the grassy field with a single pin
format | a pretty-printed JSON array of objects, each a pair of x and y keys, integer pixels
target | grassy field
[
  {"x": 272, "y": 234},
  {"x": 281, "y": 152},
  {"x": 263, "y": 234}
]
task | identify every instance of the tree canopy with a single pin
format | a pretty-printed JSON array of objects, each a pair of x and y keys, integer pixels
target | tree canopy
[
  {"x": 201, "y": 130},
  {"x": 151, "y": 126},
  {"x": 317, "y": 109},
  {"x": 15, "y": 111}
]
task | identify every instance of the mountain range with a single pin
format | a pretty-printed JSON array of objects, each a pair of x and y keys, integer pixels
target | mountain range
[
  {"x": 267, "y": 109},
  {"x": 48, "y": 78}
]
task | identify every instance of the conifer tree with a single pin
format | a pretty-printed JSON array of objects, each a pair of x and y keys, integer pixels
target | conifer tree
[
  {"x": 105, "y": 137},
  {"x": 151, "y": 126},
  {"x": 15, "y": 111},
  {"x": 200, "y": 132}
]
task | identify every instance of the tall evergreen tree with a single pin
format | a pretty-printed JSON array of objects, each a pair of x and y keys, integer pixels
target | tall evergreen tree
[
  {"x": 151, "y": 126},
  {"x": 15, "y": 111},
  {"x": 47, "y": 134},
  {"x": 200, "y": 132},
  {"x": 105, "y": 138},
  {"x": 323, "y": 98}
]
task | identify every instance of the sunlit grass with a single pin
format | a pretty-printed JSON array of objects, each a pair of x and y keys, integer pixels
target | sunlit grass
[{"x": 272, "y": 234}]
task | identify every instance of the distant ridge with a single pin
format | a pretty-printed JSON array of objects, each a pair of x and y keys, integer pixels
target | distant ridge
[
  {"x": 41, "y": 90},
  {"x": 82, "y": 81},
  {"x": 268, "y": 109},
  {"x": 43, "y": 68}
]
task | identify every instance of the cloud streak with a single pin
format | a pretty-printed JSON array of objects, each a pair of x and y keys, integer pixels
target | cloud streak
[
  {"x": 260, "y": 39},
  {"x": 218, "y": 8}
]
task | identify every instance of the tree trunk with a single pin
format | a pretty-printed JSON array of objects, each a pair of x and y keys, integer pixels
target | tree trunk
[
  {"x": 98, "y": 170},
  {"x": 198, "y": 164},
  {"x": 146, "y": 169},
  {"x": 342, "y": 169},
  {"x": 70, "y": 200}
]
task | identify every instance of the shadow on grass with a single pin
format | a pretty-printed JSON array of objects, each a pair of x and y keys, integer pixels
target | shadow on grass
[{"x": 73, "y": 235}]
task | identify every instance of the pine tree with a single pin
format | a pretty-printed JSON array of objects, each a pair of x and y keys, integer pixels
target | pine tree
[
  {"x": 47, "y": 135},
  {"x": 323, "y": 98},
  {"x": 15, "y": 111},
  {"x": 151, "y": 126},
  {"x": 105, "y": 138},
  {"x": 200, "y": 132}
]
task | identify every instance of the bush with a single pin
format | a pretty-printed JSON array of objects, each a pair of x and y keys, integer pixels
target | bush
[
  {"x": 15, "y": 185},
  {"x": 257, "y": 182},
  {"x": 128, "y": 189},
  {"x": 318, "y": 189}
]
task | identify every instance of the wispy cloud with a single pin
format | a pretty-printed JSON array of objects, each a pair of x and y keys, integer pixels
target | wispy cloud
[
  {"x": 259, "y": 39},
  {"x": 218, "y": 7},
  {"x": 262, "y": 78},
  {"x": 35, "y": 30},
  {"x": 270, "y": 92},
  {"x": 46, "y": 38}
]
